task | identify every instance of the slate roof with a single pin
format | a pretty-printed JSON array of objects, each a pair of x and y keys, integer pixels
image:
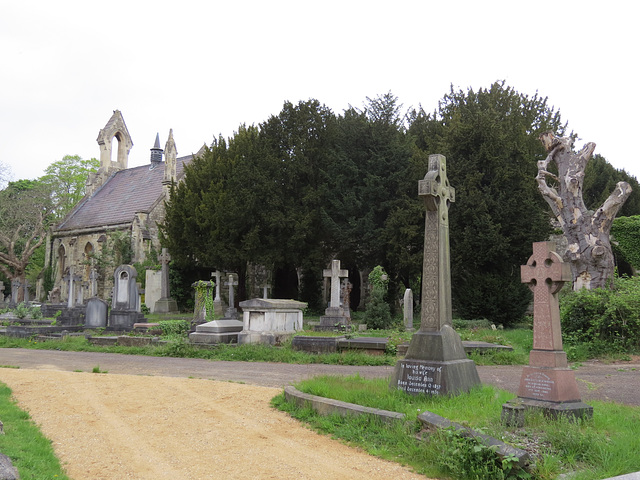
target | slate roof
[{"x": 124, "y": 194}]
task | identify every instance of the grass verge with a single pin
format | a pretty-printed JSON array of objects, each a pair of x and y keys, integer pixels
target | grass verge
[
  {"x": 29, "y": 450},
  {"x": 602, "y": 447}
]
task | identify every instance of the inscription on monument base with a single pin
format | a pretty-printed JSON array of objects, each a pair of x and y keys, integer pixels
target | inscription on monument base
[
  {"x": 538, "y": 385},
  {"x": 420, "y": 378}
]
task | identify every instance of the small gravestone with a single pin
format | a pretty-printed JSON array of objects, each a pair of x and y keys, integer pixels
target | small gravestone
[
  {"x": 218, "y": 305},
  {"x": 547, "y": 383},
  {"x": 436, "y": 362},
  {"x": 232, "y": 311},
  {"x": 152, "y": 290},
  {"x": 96, "y": 313},
  {"x": 124, "y": 304},
  {"x": 408, "y": 309},
  {"x": 1, "y": 293},
  {"x": 15, "y": 288},
  {"x": 26, "y": 287},
  {"x": 334, "y": 316},
  {"x": 166, "y": 304},
  {"x": 265, "y": 289}
]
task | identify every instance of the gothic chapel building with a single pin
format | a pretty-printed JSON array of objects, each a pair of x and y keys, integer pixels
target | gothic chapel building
[{"x": 118, "y": 199}]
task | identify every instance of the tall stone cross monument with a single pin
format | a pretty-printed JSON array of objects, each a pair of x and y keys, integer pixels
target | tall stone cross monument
[
  {"x": 334, "y": 315},
  {"x": 165, "y": 304},
  {"x": 436, "y": 363},
  {"x": 548, "y": 382}
]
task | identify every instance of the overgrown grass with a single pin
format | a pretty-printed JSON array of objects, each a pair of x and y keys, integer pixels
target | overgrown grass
[
  {"x": 30, "y": 452},
  {"x": 604, "y": 446}
]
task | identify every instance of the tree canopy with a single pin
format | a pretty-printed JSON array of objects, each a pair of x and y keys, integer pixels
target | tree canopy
[{"x": 308, "y": 185}]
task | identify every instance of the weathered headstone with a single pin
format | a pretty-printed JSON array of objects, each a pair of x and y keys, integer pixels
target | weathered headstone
[
  {"x": 70, "y": 279},
  {"x": 408, "y": 309},
  {"x": 345, "y": 293},
  {"x": 152, "y": 288},
  {"x": 203, "y": 298},
  {"x": 26, "y": 287},
  {"x": 265, "y": 289},
  {"x": 166, "y": 304},
  {"x": 232, "y": 311},
  {"x": 96, "y": 313},
  {"x": 93, "y": 279},
  {"x": 548, "y": 382},
  {"x": 436, "y": 363},
  {"x": 334, "y": 315},
  {"x": 124, "y": 304},
  {"x": 1, "y": 293},
  {"x": 15, "y": 289}
]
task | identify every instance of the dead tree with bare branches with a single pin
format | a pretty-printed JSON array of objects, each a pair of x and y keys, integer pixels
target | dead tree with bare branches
[{"x": 587, "y": 232}]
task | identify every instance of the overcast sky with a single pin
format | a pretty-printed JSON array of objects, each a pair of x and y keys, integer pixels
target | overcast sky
[{"x": 203, "y": 68}]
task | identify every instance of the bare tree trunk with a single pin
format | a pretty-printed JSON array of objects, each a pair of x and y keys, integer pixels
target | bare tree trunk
[{"x": 589, "y": 250}]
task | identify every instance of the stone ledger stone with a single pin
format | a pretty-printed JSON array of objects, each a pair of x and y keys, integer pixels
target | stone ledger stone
[
  {"x": 436, "y": 362},
  {"x": 217, "y": 331}
]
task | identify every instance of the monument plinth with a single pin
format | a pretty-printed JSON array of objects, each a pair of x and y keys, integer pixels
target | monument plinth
[
  {"x": 436, "y": 363},
  {"x": 548, "y": 382}
]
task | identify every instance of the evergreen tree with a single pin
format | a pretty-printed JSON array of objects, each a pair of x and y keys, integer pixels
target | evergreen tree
[{"x": 490, "y": 139}]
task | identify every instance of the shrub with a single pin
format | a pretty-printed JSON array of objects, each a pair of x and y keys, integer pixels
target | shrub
[
  {"x": 607, "y": 319},
  {"x": 378, "y": 312}
]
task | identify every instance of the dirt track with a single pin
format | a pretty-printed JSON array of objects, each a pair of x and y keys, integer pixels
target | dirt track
[{"x": 106, "y": 426}]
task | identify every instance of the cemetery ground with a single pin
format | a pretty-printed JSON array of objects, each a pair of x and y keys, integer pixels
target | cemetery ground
[{"x": 44, "y": 389}]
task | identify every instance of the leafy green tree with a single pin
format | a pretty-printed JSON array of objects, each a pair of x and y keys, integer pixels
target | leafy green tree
[
  {"x": 67, "y": 179},
  {"x": 490, "y": 139},
  {"x": 25, "y": 214}
]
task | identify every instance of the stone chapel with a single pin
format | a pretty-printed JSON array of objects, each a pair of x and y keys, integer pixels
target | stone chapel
[{"x": 117, "y": 199}]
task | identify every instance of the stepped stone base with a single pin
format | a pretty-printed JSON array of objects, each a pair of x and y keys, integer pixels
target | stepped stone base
[{"x": 436, "y": 364}]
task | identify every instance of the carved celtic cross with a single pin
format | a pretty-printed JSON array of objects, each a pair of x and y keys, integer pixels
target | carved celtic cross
[
  {"x": 436, "y": 276},
  {"x": 545, "y": 272}
]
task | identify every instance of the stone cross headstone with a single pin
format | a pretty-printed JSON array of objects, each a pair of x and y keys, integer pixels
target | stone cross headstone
[
  {"x": 69, "y": 278},
  {"x": 165, "y": 304},
  {"x": 335, "y": 274},
  {"x": 408, "y": 309},
  {"x": 436, "y": 363},
  {"x": 232, "y": 312},
  {"x": 165, "y": 258},
  {"x": 78, "y": 295},
  {"x": 93, "y": 278},
  {"x": 217, "y": 276},
  {"x": 82, "y": 286},
  {"x": 548, "y": 382},
  {"x": 265, "y": 289}
]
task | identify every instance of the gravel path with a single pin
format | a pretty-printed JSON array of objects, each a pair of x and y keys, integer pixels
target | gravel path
[{"x": 164, "y": 418}]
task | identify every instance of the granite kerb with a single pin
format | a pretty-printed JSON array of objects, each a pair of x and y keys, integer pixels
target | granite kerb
[{"x": 429, "y": 420}]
